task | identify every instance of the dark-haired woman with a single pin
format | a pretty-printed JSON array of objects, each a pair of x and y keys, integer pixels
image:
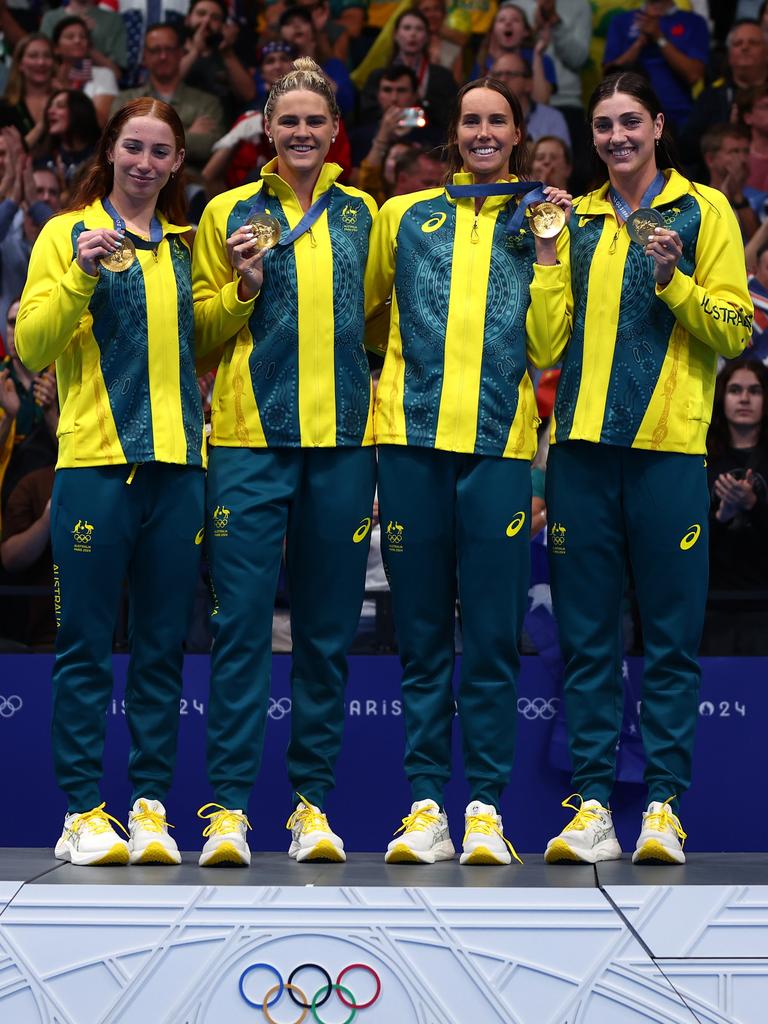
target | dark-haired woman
[
  {"x": 108, "y": 297},
  {"x": 737, "y": 470},
  {"x": 473, "y": 297},
  {"x": 626, "y": 476},
  {"x": 71, "y": 133}
]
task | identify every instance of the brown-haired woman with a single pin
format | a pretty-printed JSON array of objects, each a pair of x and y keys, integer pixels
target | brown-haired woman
[
  {"x": 109, "y": 298},
  {"x": 30, "y": 85},
  {"x": 473, "y": 298}
]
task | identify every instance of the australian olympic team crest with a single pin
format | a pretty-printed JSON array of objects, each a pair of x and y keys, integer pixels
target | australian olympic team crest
[
  {"x": 349, "y": 217},
  {"x": 557, "y": 539},
  {"x": 395, "y": 532},
  {"x": 82, "y": 532},
  {"x": 221, "y": 516}
]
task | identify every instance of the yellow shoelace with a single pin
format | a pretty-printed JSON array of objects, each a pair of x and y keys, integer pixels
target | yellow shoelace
[
  {"x": 664, "y": 819},
  {"x": 486, "y": 825},
  {"x": 419, "y": 821},
  {"x": 308, "y": 818},
  {"x": 584, "y": 815},
  {"x": 150, "y": 820},
  {"x": 96, "y": 820},
  {"x": 221, "y": 819}
]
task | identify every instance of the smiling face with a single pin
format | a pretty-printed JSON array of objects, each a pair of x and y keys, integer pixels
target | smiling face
[
  {"x": 58, "y": 114},
  {"x": 301, "y": 127},
  {"x": 144, "y": 155},
  {"x": 625, "y": 134},
  {"x": 73, "y": 43},
  {"x": 36, "y": 65},
  {"x": 486, "y": 134}
]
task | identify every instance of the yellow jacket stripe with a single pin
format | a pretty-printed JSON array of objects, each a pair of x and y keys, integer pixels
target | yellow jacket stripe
[
  {"x": 640, "y": 368},
  {"x": 292, "y": 368},
  {"x": 123, "y": 344},
  {"x": 469, "y": 307}
]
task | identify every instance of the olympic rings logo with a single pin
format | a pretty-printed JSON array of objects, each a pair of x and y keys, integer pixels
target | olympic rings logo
[
  {"x": 279, "y": 708},
  {"x": 10, "y": 705},
  {"x": 298, "y": 997},
  {"x": 539, "y": 707}
]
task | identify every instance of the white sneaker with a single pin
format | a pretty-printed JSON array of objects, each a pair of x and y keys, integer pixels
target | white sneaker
[
  {"x": 88, "y": 838},
  {"x": 588, "y": 837},
  {"x": 425, "y": 837},
  {"x": 484, "y": 841},
  {"x": 661, "y": 837},
  {"x": 311, "y": 835},
  {"x": 225, "y": 831},
  {"x": 150, "y": 842}
]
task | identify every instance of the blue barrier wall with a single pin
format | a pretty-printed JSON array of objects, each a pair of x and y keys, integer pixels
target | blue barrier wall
[{"x": 722, "y": 811}]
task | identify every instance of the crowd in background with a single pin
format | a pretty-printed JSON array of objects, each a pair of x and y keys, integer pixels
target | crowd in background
[{"x": 396, "y": 70}]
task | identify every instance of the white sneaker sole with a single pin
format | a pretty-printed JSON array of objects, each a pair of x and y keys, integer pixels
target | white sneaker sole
[
  {"x": 225, "y": 853},
  {"x": 401, "y": 853},
  {"x": 117, "y": 854},
  {"x": 322, "y": 851},
  {"x": 559, "y": 851},
  {"x": 484, "y": 855},
  {"x": 154, "y": 853},
  {"x": 654, "y": 852}
]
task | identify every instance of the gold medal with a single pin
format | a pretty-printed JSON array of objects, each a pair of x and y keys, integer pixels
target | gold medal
[
  {"x": 266, "y": 230},
  {"x": 121, "y": 258},
  {"x": 547, "y": 220},
  {"x": 642, "y": 224}
]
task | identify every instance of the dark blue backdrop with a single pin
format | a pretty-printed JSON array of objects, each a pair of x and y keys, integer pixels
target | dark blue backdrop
[{"x": 720, "y": 812}]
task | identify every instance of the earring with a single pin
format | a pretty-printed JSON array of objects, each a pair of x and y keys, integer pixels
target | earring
[
  {"x": 333, "y": 138},
  {"x": 658, "y": 141},
  {"x": 269, "y": 139}
]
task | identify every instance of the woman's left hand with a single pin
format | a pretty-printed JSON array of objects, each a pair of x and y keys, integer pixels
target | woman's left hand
[{"x": 665, "y": 250}]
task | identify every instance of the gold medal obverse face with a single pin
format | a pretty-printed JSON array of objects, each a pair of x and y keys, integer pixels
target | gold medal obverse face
[
  {"x": 121, "y": 258},
  {"x": 642, "y": 224},
  {"x": 547, "y": 220},
  {"x": 266, "y": 230}
]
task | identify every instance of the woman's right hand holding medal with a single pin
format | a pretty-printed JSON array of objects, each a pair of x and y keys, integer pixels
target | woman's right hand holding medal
[
  {"x": 93, "y": 246},
  {"x": 247, "y": 261}
]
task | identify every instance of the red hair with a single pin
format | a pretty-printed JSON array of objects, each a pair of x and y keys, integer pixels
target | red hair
[{"x": 97, "y": 179}]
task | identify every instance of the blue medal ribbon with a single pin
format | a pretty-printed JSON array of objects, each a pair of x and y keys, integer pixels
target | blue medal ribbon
[
  {"x": 155, "y": 227},
  {"x": 622, "y": 207},
  {"x": 316, "y": 210},
  {"x": 531, "y": 192}
]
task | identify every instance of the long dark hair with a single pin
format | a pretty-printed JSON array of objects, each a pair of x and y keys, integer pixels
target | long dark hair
[
  {"x": 83, "y": 124},
  {"x": 98, "y": 178},
  {"x": 637, "y": 86},
  {"x": 719, "y": 435},
  {"x": 518, "y": 159}
]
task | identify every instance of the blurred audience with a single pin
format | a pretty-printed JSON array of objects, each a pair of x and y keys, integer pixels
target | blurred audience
[
  {"x": 540, "y": 118},
  {"x": 758, "y": 290},
  {"x": 30, "y": 85},
  {"x": 725, "y": 149},
  {"x": 551, "y": 162},
  {"x": 210, "y": 62},
  {"x": 76, "y": 68},
  {"x": 105, "y": 27},
  {"x": 511, "y": 33}
]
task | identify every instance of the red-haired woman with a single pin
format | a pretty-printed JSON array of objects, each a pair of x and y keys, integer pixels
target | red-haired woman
[{"x": 108, "y": 297}]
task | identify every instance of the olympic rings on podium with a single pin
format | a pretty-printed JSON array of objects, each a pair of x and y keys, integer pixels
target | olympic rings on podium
[{"x": 298, "y": 997}]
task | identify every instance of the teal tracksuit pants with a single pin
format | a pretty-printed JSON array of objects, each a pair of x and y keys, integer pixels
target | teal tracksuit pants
[
  {"x": 609, "y": 508},
  {"x": 104, "y": 531},
  {"x": 457, "y": 525},
  {"x": 318, "y": 502}
]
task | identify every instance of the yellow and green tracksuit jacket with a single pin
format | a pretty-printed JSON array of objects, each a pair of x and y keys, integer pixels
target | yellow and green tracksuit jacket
[
  {"x": 123, "y": 345},
  {"x": 469, "y": 307},
  {"x": 640, "y": 368},
  {"x": 292, "y": 371}
]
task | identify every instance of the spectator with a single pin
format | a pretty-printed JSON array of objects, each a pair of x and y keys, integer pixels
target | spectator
[
  {"x": 274, "y": 60},
  {"x": 200, "y": 112},
  {"x": 377, "y": 176},
  {"x": 136, "y": 16},
  {"x": 435, "y": 85},
  {"x": 30, "y": 85},
  {"x": 511, "y": 33},
  {"x": 446, "y": 46},
  {"x": 72, "y": 47},
  {"x": 551, "y": 162},
  {"x": 569, "y": 26},
  {"x": 106, "y": 29},
  {"x": 297, "y": 28},
  {"x": 71, "y": 133},
  {"x": 737, "y": 471},
  {"x": 416, "y": 170},
  {"x": 25, "y": 553},
  {"x": 210, "y": 62},
  {"x": 758, "y": 290},
  {"x": 30, "y": 410},
  {"x": 397, "y": 91},
  {"x": 540, "y": 118},
  {"x": 725, "y": 148},
  {"x": 747, "y": 54},
  {"x": 669, "y": 46},
  {"x": 754, "y": 114}
]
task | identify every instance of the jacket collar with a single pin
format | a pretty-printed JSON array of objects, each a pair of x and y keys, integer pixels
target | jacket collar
[
  {"x": 95, "y": 216},
  {"x": 595, "y": 203},
  {"x": 329, "y": 172},
  {"x": 491, "y": 202}
]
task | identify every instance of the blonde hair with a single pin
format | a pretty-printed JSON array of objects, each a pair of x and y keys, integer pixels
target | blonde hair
[{"x": 307, "y": 75}]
